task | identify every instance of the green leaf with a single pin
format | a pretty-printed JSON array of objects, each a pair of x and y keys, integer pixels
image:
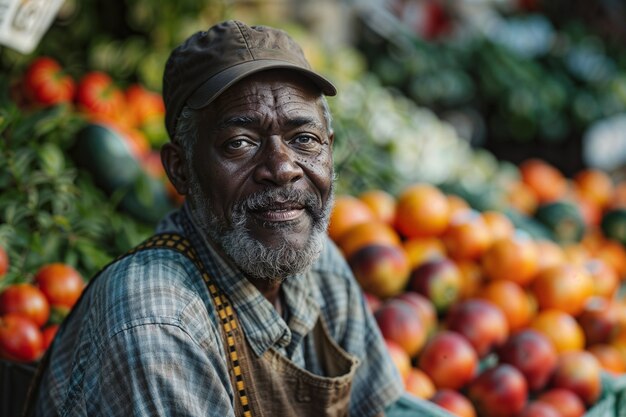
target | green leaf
[
  {"x": 144, "y": 190},
  {"x": 21, "y": 163},
  {"x": 14, "y": 213},
  {"x": 92, "y": 257},
  {"x": 52, "y": 159}
]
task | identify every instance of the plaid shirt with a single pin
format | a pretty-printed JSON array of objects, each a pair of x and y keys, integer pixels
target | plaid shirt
[{"x": 145, "y": 341}]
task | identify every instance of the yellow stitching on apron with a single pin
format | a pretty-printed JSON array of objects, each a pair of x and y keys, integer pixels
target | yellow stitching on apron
[{"x": 224, "y": 310}]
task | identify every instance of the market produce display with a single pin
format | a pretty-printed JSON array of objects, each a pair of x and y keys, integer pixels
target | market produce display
[
  {"x": 481, "y": 317},
  {"x": 515, "y": 80},
  {"x": 497, "y": 284}
]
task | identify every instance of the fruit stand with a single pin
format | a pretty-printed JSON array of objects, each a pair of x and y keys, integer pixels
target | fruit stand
[{"x": 481, "y": 191}]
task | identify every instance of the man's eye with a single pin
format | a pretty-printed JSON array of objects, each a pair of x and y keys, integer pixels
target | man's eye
[
  {"x": 238, "y": 144},
  {"x": 304, "y": 140}
]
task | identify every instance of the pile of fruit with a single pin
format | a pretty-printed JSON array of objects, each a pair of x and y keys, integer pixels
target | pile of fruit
[
  {"x": 82, "y": 185},
  {"x": 30, "y": 313},
  {"x": 480, "y": 316},
  {"x": 82, "y": 182}
]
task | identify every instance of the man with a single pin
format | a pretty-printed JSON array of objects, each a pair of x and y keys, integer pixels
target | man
[{"x": 244, "y": 308}]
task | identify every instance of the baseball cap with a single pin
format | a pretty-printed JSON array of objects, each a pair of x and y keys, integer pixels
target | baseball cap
[{"x": 209, "y": 62}]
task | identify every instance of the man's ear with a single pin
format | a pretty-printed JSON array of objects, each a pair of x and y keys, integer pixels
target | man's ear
[{"x": 173, "y": 159}]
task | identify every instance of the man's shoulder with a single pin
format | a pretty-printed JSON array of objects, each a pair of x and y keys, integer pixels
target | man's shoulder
[{"x": 154, "y": 284}]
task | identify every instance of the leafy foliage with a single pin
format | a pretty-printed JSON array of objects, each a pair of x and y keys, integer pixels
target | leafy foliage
[{"x": 49, "y": 210}]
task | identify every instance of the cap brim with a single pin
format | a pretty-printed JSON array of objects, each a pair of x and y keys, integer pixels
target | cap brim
[{"x": 214, "y": 86}]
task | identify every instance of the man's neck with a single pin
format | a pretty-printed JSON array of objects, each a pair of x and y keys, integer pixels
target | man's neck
[{"x": 270, "y": 290}]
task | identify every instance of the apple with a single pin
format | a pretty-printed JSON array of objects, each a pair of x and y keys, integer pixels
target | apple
[
  {"x": 372, "y": 301},
  {"x": 539, "y": 409},
  {"x": 398, "y": 321},
  {"x": 439, "y": 280},
  {"x": 566, "y": 402},
  {"x": 424, "y": 308},
  {"x": 399, "y": 357},
  {"x": 481, "y": 322},
  {"x": 419, "y": 384},
  {"x": 580, "y": 372},
  {"x": 533, "y": 354},
  {"x": 382, "y": 270},
  {"x": 500, "y": 391},
  {"x": 454, "y": 402},
  {"x": 610, "y": 358},
  {"x": 449, "y": 359},
  {"x": 600, "y": 320}
]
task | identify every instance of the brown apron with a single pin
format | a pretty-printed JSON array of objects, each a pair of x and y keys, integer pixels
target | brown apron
[{"x": 272, "y": 385}]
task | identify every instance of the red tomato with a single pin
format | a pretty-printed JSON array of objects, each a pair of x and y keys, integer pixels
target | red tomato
[
  {"x": 48, "y": 334},
  {"x": 25, "y": 299},
  {"x": 20, "y": 338},
  {"x": 143, "y": 104},
  {"x": 4, "y": 262},
  {"x": 61, "y": 284},
  {"x": 99, "y": 96},
  {"x": 45, "y": 82}
]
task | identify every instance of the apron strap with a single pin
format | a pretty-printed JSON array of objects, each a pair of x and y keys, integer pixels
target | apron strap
[{"x": 180, "y": 244}]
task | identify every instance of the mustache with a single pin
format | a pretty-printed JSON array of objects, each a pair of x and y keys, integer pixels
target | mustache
[{"x": 269, "y": 198}]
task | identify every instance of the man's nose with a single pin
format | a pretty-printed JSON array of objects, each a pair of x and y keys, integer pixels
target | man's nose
[{"x": 278, "y": 165}]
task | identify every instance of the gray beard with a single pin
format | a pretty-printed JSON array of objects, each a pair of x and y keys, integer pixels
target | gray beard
[{"x": 251, "y": 256}]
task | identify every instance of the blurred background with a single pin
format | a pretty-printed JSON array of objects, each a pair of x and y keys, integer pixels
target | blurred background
[
  {"x": 453, "y": 93},
  {"x": 509, "y": 114}
]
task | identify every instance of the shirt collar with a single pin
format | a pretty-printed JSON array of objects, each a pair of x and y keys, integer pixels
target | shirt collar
[{"x": 261, "y": 323}]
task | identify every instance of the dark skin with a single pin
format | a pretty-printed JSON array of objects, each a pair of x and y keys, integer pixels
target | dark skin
[{"x": 266, "y": 131}]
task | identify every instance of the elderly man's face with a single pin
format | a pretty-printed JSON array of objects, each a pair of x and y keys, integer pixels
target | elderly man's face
[{"x": 262, "y": 174}]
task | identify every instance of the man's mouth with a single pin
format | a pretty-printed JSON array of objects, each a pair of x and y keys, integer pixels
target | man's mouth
[{"x": 283, "y": 212}]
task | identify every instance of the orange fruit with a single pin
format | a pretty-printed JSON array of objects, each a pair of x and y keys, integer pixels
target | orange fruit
[
  {"x": 614, "y": 254},
  {"x": 550, "y": 253},
  {"x": 457, "y": 204},
  {"x": 513, "y": 300},
  {"x": 561, "y": 328},
  {"x": 368, "y": 233},
  {"x": 594, "y": 185},
  {"x": 347, "y": 211},
  {"x": 576, "y": 253},
  {"x": 421, "y": 249},
  {"x": 499, "y": 225},
  {"x": 61, "y": 284},
  {"x": 382, "y": 204},
  {"x": 399, "y": 358},
  {"x": 609, "y": 357},
  {"x": 618, "y": 199},
  {"x": 591, "y": 213},
  {"x": 522, "y": 198},
  {"x": 605, "y": 280},
  {"x": 418, "y": 383},
  {"x": 471, "y": 277},
  {"x": 564, "y": 287},
  {"x": 422, "y": 211},
  {"x": 619, "y": 341},
  {"x": 514, "y": 258},
  {"x": 593, "y": 239},
  {"x": 547, "y": 182},
  {"x": 467, "y": 236}
]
